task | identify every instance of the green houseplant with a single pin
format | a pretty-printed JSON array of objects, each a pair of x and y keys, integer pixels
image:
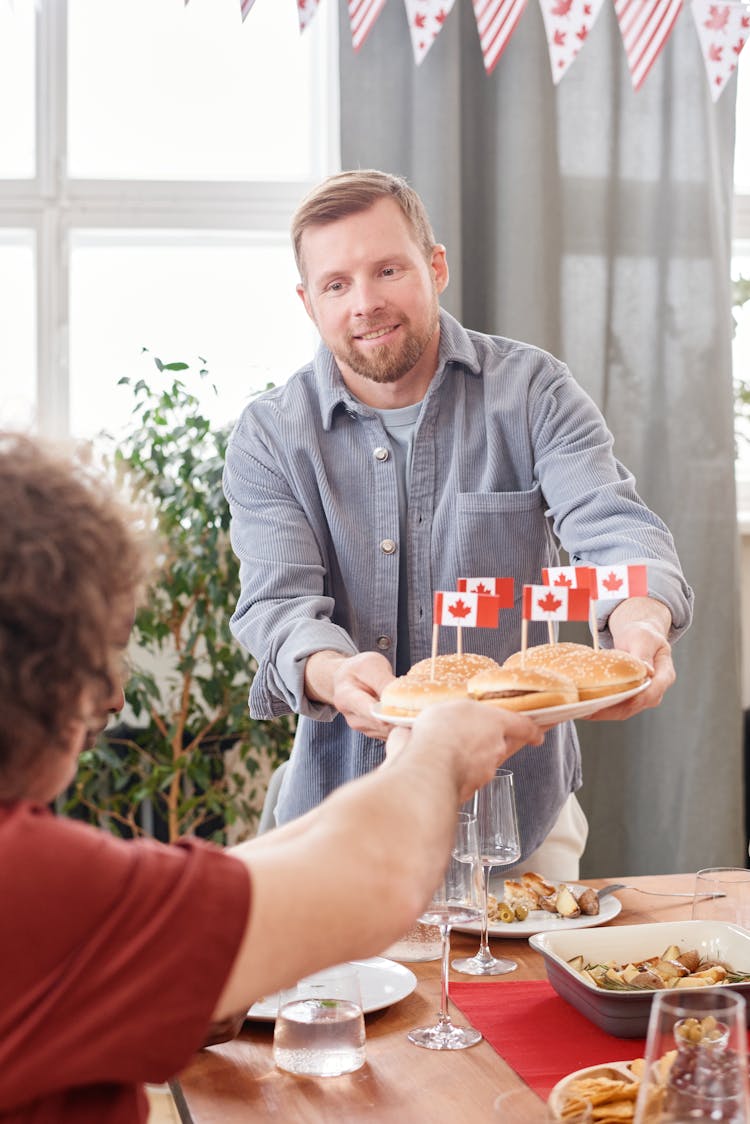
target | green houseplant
[{"x": 193, "y": 761}]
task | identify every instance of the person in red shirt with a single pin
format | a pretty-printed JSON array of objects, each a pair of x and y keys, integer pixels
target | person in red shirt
[{"x": 119, "y": 955}]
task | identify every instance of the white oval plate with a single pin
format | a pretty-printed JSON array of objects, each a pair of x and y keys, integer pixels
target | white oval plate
[
  {"x": 547, "y": 715},
  {"x": 382, "y": 981},
  {"x": 540, "y": 921},
  {"x": 619, "y": 1071}
]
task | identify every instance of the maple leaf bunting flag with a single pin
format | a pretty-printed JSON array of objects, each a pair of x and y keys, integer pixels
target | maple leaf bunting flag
[
  {"x": 567, "y": 23},
  {"x": 723, "y": 30},
  {"x": 245, "y": 6},
  {"x": 645, "y": 26},
  {"x": 426, "y": 19},
  {"x": 501, "y": 588},
  {"x": 496, "y": 22},
  {"x": 306, "y": 9},
  {"x": 543, "y": 603},
  {"x": 362, "y": 16}
]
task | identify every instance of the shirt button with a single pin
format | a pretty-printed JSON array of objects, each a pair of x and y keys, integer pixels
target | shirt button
[
  {"x": 381, "y": 454},
  {"x": 388, "y": 546},
  {"x": 384, "y": 643}
]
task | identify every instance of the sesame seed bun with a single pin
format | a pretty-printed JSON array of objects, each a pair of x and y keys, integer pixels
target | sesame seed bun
[
  {"x": 407, "y": 696},
  {"x": 595, "y": 672},
  {"x": 451, "y": 667},
  {"x": 522, "y": 688}
]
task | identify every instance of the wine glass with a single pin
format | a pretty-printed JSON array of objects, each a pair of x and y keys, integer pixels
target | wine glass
[
  {"x": 499, "y": 845},
  {"x": 696, "y": 1059},
  {"x": 456, "y": 901}
]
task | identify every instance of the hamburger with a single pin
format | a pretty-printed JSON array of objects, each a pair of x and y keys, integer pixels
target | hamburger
[
  {"x": 522, "y": 688},
  {"x": 451, "y": 667},
  {"x": 406, "y": 696},
  {"x": 595, "y": 672}
]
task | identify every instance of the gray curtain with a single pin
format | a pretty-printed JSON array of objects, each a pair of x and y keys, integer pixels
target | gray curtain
[{"x": 595, "y": 222}]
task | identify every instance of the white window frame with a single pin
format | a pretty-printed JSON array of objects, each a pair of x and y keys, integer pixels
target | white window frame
[{"x": 52, "y": 205}]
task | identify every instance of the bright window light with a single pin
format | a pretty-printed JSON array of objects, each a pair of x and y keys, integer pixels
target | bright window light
[
  {"x": 742, "y": 143},
  {"x": 165, "y": 91},
  {"x": 17, "y": 330},
  {"x": 230, "y": 300},
  {"x": 17, "y": 100}
]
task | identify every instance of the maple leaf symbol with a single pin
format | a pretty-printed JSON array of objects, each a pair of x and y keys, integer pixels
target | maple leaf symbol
[
  {"x": 582, "y": 33},
  {"x": 612, "y": 582},
  {"x": 561, "y": 579},
  {"x": 420, "y": 20},
  {"x": 441, "y": 16},
  {"x": 561, "y": 8},
  {"x": 481, "y": 588},
  {"x": 718, "y": 18},
  {"x": 745, "y": 21},
  {"x": 559, "y": 38},
  {"x": 587, "y": 9},
  {"x": 549, "y": 604},
  {"x": 714, "y": 53},
  {"x": 459, "y": 609},
  {"x": 738, "y": 46}
]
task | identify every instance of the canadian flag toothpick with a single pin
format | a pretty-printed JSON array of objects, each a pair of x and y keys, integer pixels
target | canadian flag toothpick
[
  {"x": 493, "y": 587},
  {"x": 459, "y": 610},
  {"x": 545, "y": 603},
  {"x": 609, "y": 583}
]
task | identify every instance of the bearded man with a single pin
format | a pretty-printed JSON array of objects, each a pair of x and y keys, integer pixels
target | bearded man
[{"x": 411, "y": 452}]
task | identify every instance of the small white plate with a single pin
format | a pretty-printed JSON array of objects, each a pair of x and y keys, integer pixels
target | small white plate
[
  {"x": 382, "y": 981},
  {"x": 547, "y": 715},
  {"x": 540, "y": 921},
  {"x": 618, "y": 1071}
]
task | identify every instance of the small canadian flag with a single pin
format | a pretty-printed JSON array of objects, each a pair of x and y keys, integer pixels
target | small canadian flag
[
  {"x": 543, "y": 603},
  {"x": 574, "y": 577},
  {"x": 492, "y": 587},
  {"x": 610, "y": 583},
  {"x": 465, "y": 610}
]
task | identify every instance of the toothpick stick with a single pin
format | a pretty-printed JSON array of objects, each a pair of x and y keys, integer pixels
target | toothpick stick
[
  {"x": 551, "y": 632},
  {"x": 435, "y": 628},
  {"x": 459, "y": 641},
  {"x": 593, "y": 626},
  {"x": 524, "y": 640}
]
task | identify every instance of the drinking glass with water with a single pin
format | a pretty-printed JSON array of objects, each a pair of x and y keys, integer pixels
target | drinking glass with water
[{"x": 320, "y": 1027}]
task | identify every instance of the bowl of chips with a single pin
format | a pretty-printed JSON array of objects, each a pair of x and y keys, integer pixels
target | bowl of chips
[{"x": 611, "y": 974}]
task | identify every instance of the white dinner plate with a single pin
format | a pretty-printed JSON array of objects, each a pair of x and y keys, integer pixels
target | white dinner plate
[
  {"x": 615, "y": 1071},
  {"x": 540, "y": 921},
  {"x": 548, "y": 715},
  {"x": 382, "y": 982}
]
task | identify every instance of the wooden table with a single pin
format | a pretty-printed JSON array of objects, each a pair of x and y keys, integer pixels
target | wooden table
[{"x": 399, "y": 1083}]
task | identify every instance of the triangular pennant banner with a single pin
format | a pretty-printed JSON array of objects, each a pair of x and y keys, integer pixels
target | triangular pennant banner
[
  {"x": 567, "y": 23},
  {"x": 362, "y": 16},
  {"x": 645, "y": 26},
  {"x": 306, "y": 9},
  {"x": 723, "y": 30},
  {"x": 496, "y": 22},
  {"x": 426, "y": 19},
  {"x": 245, "y": 6}
]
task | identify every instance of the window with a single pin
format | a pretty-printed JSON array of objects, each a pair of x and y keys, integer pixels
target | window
[
  {"x": 741, "y": 265},
  {"x": 149, "y": 205}
]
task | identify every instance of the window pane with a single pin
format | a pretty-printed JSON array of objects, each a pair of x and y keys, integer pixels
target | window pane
[
  {"x": 742, "y": 143},
  {"x": 17, "y": 100},
  {"x": 17, "y": 330},
  {"x": 190, "y": 92},
  {"x": 229, "y": 299}
]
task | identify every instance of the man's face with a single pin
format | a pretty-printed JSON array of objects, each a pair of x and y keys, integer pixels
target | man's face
[{"x": 372, "y": 294}]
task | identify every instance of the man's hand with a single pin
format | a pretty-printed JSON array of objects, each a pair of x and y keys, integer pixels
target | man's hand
[
  {"x": 472, "y": 738},
  {"x": 352, "y": 684},
  {"x": 640, "y": 626}
]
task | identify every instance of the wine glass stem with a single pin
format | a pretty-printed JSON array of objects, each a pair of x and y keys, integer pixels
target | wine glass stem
[
  {"x": 484, "y": 944},
  {"x": 445, "y": 934}
]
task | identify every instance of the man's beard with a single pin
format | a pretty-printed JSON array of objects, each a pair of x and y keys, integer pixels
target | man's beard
[{"x": 386, "y": 364}]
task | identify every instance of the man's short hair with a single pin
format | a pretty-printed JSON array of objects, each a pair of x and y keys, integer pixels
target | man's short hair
[
  {"x": 70, "y": 557},
  {"x": 349, "y": 193}
]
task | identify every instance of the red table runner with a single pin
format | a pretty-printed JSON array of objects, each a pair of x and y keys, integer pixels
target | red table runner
[{"x": 536, "y": 1032}]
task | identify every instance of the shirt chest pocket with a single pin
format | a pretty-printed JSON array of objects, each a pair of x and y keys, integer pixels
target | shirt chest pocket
[{"x": 503, "y": 534}]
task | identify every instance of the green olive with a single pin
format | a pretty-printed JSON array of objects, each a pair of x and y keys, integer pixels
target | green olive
[
  {"x": 521, "y": 912},
  {"x": 505, "y": 913}
]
